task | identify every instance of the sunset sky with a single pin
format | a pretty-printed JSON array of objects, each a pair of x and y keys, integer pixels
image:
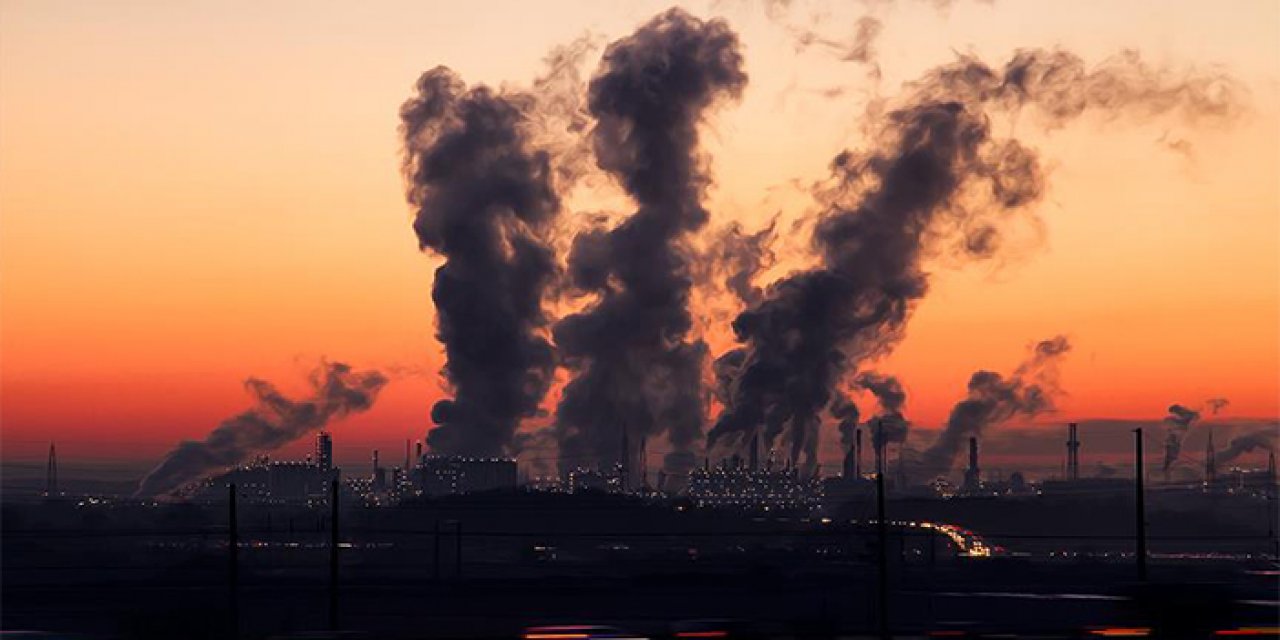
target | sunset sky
[{"x": 195, "y": 193}]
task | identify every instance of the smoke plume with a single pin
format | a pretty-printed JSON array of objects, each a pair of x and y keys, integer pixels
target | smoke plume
[
  {"x": 1216, "y": 404},
  {"x": 1177, "y": 423},
  {"x": 993, "y": 399},
  {"x": 740, "y": 256},
  {"x": 1264, "y": 439},
  {"x": 846, "y": 413},
  {"x": 273, "y": 422},
  {"x": 485, "y": 201},
  {"x": 634, "y": 367},
  {"x": 934, "y": 179},
  {"x": 890, "y": 424}
]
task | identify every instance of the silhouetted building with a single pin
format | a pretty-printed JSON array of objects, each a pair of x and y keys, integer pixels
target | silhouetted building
[
  {"x": 732, "y": 484},
  {"x": 450, "y": 475}
]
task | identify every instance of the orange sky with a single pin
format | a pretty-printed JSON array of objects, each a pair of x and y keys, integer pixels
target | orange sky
[{"x": 191, "y": 194}]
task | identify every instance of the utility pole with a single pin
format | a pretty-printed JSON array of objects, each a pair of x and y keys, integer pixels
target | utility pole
[
  {"x": 333, "y": 555},
  {"x": 233, "y": 564},
  {"x": 882, "y": 530},
  {"x": 1141, "y": 508}
]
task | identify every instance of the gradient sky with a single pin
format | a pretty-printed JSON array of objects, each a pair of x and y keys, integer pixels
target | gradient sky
[{"x": 194, "y": 193}]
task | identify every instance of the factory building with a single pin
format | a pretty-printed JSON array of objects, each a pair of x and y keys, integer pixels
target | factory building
[
  {"x": 733, "y": 484},
  {"x": 456, "y": 475}
]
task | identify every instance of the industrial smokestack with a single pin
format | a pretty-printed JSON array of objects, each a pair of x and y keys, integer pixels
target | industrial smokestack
[
  {"x": 850, "y": 467},
  {"x": 857, "y": 460},
  {"x": 1210, "y": 464},
  {"x": 51, "y": 473},
  {"x": 633, "y": 363},
  {"x": 273, "y": 422},
  {"x": 1073, "y": 452},
  {"x": 972, "y": 475}
]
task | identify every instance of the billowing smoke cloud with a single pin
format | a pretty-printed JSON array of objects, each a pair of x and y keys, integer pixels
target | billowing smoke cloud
[
  {"x": 934, "y": 179},
  {"x": 1264, "y": 439},
  {"x": 634, "y": 367},
  {"x": 1177, "y": 423},
  {"x": 993, "y": 399},
  {"x": 889, "y": 425},
  {"x": 740, "y": 256},
  {"x": 273, "y": 422},
  {"x": 485, "y": 201},
  {"x": 846, "y": 413},
  {"x": 1216, "y": 404}
]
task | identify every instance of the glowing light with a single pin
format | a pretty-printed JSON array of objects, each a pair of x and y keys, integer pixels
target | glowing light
[{"x": 1122, "y": 632}]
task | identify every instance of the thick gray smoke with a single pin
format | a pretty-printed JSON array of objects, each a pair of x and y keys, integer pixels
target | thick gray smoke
[
  {"x": 889, "y": 425},
  {"x": 1264, "y": 439},
  {"x": 1177, "y": 423},
  {"x": 934, "y": 179},
  {"x": 273, "y": 422},
  {"x": 846, "y": 414},
  {"x": 485, "y": 201},
  {"x": 993, "y": 399},
  {"x": 634, "y": 367},
  {"x": 740, "y": 256}
]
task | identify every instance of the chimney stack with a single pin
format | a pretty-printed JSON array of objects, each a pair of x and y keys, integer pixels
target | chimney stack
[
  {"x": 1073, "y": 452},
  {"x": 1210, "y": 462},
  {"x": 858, "y": 452},
  {"x": 972, "y": 475},
  {"x": 51, "y": 473}
]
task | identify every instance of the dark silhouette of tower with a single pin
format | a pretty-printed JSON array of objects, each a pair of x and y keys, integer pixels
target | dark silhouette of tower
[
  {"x": 877, "y": 443},
  {"x": 51, "y": 472},
  {"x": 850, "y": 469},
  {"x": 1210, "y": 462},
  {"x": 1073, "y": 452},
  {"x": 623, "y": 467},
  {"x": 406, "y": 454},
  {"x": 972, "y": 475},
  {"x": 324, "y": 450},
  {"x": 644, "y": 465},
  {"x": 857, "y": 453}
]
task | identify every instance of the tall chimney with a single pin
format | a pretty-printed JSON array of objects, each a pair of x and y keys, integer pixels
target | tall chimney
[
  {"x": 1210, "y": 462},
  {"x": 1073, "y": 452},
  {"x": 418, "y": 451},
  {"x": 644, "y": 464},
  {"x": 850, "y": 469},
  {"x": 857, "y": 455},
  {"x": 623, "y": 467},
  {"x": 972, "y": 475},
  {"x": 51, "y": 473}
]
